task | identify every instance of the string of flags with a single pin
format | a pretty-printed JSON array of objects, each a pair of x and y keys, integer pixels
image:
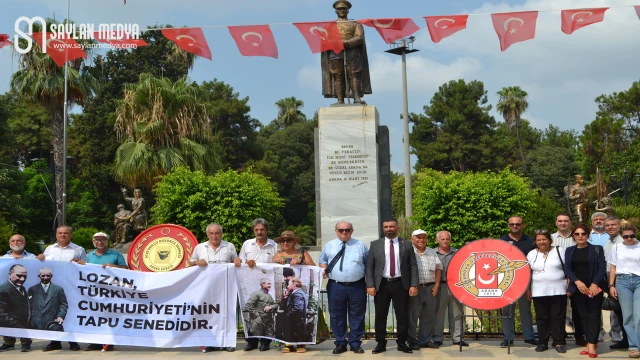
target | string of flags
[{"x": 258, "y": 40}]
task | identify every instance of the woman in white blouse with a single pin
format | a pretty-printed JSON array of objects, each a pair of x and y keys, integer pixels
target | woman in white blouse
[
  {"x": 624, "y": 282},
  {"x": 549, "y": 291}
]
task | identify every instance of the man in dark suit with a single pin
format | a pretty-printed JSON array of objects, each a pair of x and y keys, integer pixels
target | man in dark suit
[
  {"x": 49, "y": 304},
  {"x": 391, "y": 274},
  {"x": 296, "y": 312},
  {"x": 14, "y": 303}
]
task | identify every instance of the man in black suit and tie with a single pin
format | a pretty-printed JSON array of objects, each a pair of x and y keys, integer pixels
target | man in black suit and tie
[
  {"x": 49, "y": 304},
  {"x": 14, "y": 304},
  {"x": 391, "y": 274}
]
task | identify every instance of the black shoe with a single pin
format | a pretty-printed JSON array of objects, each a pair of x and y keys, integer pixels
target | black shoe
[
  {"x": 620, "y": 345},
  {"x": 439, "y": 343},
  {"x": 404, "y": 348},
  {"x": 432, "y": 345},
  {"x": 541, "y": 348},
  {"x": 230, "y": 349},
  {"x": 73, "y": 346},
  {"x": 414, "y": 347},
  {"x": 6, "y": 347},
  {"x": 250, "y": 347},
  {"x": 581, "y": 341},
  {"x": 358, "y": 350},
  {"x": 264, "y": 347},
  {"x": 464, "y": 343},
  {"x": 54, "y": 345},
  {"x": 340, "y": 349},
  {"x": 93, "y": 347},
  {"x": 531, "y": 341},
  {"x": 380, "y": 348},
  {"x": 504, "y": 343},
  {"x": 26, "y": 348},
  {"x": 560, "y": 349},
  {"x": 210, "y": 349}
]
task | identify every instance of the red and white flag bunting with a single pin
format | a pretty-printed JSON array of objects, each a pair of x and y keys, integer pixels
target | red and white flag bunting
[
  {"x": 190, "y": 40},
  {"x": 60, "y": 48},
  {"x": 321, "y": 36},
  {"x": 442, "y": 26},
  {"x": 573, "y": 20},
  {"x": 514, "y": 27},
  {"x": 4, "y": 40},
  {"x": 392, "y": 29},
  {"x": 254, "y": 40}
]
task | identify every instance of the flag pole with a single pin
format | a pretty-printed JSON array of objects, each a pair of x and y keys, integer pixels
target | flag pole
[{"x": 63, "y": 220}]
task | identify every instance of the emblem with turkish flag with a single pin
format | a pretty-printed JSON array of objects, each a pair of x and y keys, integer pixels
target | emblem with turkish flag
[
  {"x": 256, "y": 40},
  {"x": 575, "y": 19},
  {"x": 4, "y": 40},
  {"x": 442, "y": 26},
  {"x": 392, "y": 29},
  {"x": 485, "y": 263},
  {"x": 125, "y": 43},
  {"x": 321, "y": 36},
  {"x": 190, "y": 40},
  {"x": 60, "y": 50},
  {"x": 514, "y": 27}
]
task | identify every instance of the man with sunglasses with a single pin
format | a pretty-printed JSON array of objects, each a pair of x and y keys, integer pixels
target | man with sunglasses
[
  {"x": 617, "y": 333},
  {"x": 525, "y": 243},
  {"x": 344, "y": 260}
]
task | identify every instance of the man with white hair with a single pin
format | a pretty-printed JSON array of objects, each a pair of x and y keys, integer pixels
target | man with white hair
[
  {"x": 214, "y": 251},
  {"x": 17, "y": 244}
]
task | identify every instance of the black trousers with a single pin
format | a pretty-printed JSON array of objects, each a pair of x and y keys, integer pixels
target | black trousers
[
  {"x": 550, "y": 317},
  {"x": 254, "y": 341},
  {"x": 578, "y": 332},
  {"x": 590, "y": 311},
  {"x": 391, "y": 290}
]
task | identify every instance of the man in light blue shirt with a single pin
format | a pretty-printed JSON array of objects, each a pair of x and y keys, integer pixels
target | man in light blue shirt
[
  {"x": 598, "y": 235},
  {"x": 344, "y": 260}
]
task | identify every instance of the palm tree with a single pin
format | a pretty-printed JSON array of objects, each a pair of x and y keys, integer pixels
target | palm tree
[
  {"x": 289, "y": 111},
  {"x": 512, "y": 103},
  {"x": 164, "y": 124},
  {"x": 40, "y": 80}
]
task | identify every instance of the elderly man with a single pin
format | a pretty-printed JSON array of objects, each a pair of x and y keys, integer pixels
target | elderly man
[
  {"x": 63, "y": 250},
  {"x": 259, "y": 250},
  {"x": 446, "y": 301},
  {"x": 344, "y": 260},
  {"x": 214, "y": 251},
  {"x": 598, "y": 235},
  {"x": 14, "y": 306},
  {"x": 49, "y": 304},
  {"x": 260, "y": 306},
  {"x": 392, "y": 274},
  {"x": 422, "y": 308},
  {"x": 525, "y": 243},
  {"x": 617, "y": 333}
]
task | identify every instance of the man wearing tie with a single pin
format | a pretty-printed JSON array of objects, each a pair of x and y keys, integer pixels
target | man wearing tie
[
  {"x": 344, "y": 260},
  {"x": 391, "y": 274},
  {"x": 14, "y": 305},
  {"x": 49, "y": 306}
]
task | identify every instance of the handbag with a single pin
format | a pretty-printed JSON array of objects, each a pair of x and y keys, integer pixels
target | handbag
[{"x": 610, "y": 304}]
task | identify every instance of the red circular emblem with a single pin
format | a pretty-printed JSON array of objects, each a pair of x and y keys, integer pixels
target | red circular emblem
[
  {"x": 162, "y": 248},
  {"x": 488, "y": 274}
]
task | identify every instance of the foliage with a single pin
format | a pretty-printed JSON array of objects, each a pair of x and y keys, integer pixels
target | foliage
[
  {"x": 5, "y": 234},
  {"x": 230, "y": 198},
  {"x": 511, "y": 105},
  {"x": 550, "y": 167},
  {"x": 470, "y": 205},
  {"x": 397, "y": 194},
  {"x": 628, "y": 212},
  {"x": 543, "y": 214},
  {"x": 456, "y": 131},
  {"x": 12, "y": 197},
  {"x": 84, "y": 237},
  {"x": 506, "y": 145}
]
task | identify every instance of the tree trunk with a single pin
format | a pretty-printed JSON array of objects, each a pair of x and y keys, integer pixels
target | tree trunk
[
  {"x": 519, "y": 140},
  {"x": 57, "y": 118}
]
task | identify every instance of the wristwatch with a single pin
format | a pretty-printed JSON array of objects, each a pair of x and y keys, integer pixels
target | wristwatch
[{"x": 612, "y": 285}]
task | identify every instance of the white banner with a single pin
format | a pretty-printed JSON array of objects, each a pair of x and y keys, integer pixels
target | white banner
[
  {"x": 190, "y": 307},
  {"x": 280, "y": 302}
]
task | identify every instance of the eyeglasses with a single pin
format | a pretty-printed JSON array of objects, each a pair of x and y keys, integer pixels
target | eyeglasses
[
  {"x": 579, "y": 234},
  {"x": 541, "y": 232},
  {"x": 287, "y": 240},
  {"x": 632, "y": 236},
  {"x": 101, "y": 239},
  {"x": 515, "y": 224},
  {"x": 344, "y": 230}
]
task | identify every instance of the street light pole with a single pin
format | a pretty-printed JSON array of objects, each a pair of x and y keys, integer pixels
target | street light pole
[
  {"x": 63, "y": 217},
  {"x": 402, "y": 49}
]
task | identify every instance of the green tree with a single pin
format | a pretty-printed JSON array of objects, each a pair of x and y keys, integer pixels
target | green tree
[
  {"x": 289, "y": 112},
  {"x": 506, "y": 143},
  {"x": 230, "y": 198},
  {"x": 470, "y": 205},
  {"x": 456, "y": 131},
  {"x": 511, "y": 105},
  {"x": 550, "y": 167},
  {"x": 553, "y": 136}
]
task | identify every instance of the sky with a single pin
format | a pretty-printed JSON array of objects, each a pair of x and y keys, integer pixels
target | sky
[{"x": 563, "y": 74}]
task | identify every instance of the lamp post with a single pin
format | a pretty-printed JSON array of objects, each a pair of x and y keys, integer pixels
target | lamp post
[{"x": 404, "y": 47}]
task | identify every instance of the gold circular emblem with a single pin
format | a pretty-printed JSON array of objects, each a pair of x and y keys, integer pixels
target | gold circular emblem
[{"x": 163, "y": 254}]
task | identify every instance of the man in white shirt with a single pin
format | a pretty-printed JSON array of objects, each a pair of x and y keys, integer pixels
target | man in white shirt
[
  {"x": 63, "y": 250},
  {"x": 617, "y": 333},
  {"x": 259, "y": 250},
  {"x": 214, "y": 251}
]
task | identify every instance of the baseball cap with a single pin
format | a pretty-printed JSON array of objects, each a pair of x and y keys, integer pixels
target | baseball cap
[
  {"x": 100, "y": 234},
  {"x": 418, "y": 232}
]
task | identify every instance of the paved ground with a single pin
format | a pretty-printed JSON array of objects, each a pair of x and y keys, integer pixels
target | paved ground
[{"x": 477, "y": 349}]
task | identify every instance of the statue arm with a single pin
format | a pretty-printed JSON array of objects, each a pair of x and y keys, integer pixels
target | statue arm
[{"x": 357, "y": 39}]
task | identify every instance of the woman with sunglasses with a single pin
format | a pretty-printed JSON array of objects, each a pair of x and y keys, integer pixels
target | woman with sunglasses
[
  {"x": 585, "y": 267},
  {"x": 624, "y": 282},
  {"x": 549, "y": 291}
]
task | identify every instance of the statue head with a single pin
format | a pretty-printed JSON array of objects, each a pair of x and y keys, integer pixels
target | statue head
[
  {"x": 137, "y": 193},
  {"x": 579, "y": 179},
  {"x": 120, "y": 207},
  {"x": 342, "y": 8}
]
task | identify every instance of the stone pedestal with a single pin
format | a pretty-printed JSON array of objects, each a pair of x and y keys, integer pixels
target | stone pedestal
[{"x": 347, "y": 172}]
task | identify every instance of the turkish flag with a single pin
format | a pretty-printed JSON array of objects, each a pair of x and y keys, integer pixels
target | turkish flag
[
  {"x": 4, "y": 40},
  {"x": 60, "y": 50},
  {"x": 514, "y": 27},
  {"x": 486, "y": 263},
  {"x": 637, "y": 10},
  {"x": 321, "y": 36},
  {"x": 256, "y": 40},
  {"x": 126, "y": 43},
  {"x": 575, "y": 19},
  {"x": 392, "y": 29},
  {"x": 190, "y": 40},
  {"x": 442, "y": 26}
]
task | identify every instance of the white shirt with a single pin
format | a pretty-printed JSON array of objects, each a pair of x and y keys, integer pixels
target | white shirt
[
  {"x": 45, "y": 287},
  {"x": 225, "y": 253},
  {"x": 563, "y": 242},
  {"x": 547, "y": 276},
  {"x": 607, "y": 250},
  {"x": 251, "y": 251},
  {"x": 387, "y": 260},
  {"x": 25, "y": 255},
  {"x": 56, "y": 252},
  {"x": 428, "y": 262},
  {"x": 626, "y": 258}
]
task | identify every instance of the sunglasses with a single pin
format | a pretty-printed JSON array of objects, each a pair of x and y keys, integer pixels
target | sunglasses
[
  {"x": 287, "y": 240},
  {"x": 541, "y": 232},
  {"x": 515, "y": 224},
  {"x": 632, "y": 236},
  {"x": 579, "y": 234},
  {"x": 344, "y": 230}
]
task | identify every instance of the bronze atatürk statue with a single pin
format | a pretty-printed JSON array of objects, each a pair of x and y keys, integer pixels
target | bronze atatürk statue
[
  {"x": 352, "y": 63},
  {"x": 138, "y": 216},
  {"x": 122, "y": 224},
  {"x": 579, "y": 194}
]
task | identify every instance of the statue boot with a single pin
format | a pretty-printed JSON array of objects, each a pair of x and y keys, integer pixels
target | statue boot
[
  {"x": 355, "y": 89},
  {"x": 339, "y": 84}
]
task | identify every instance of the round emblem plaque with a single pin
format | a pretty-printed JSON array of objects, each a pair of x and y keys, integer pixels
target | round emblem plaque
[
  {"x": 162, "y": 248},
  {"x": 488, "y": 274}
]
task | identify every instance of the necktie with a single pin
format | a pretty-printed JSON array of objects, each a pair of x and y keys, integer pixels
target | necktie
[
  {"x": 344, "y": 244},
  {"x": 46, "y": 288},
  {"x": 334, "y": 261},
  {"x": 392, "y": 259}
]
